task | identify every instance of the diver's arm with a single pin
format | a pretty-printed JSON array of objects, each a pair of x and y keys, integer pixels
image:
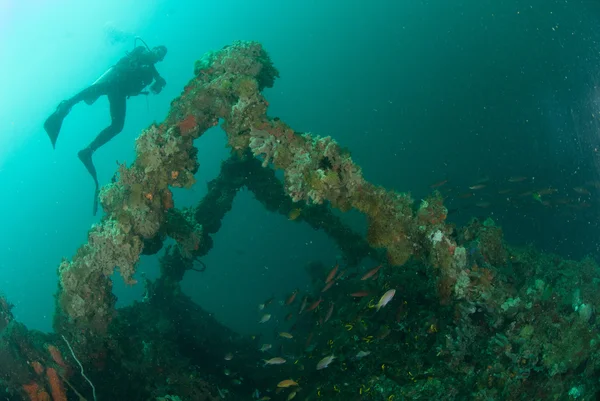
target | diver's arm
[{"x": 159, "y": 82}]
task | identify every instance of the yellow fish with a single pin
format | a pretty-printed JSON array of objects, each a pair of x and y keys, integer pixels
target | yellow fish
[
  {"x": 294, "y": 214},
  {"x": 286, "y": 383},
  {"x": 285, "y": 335}
]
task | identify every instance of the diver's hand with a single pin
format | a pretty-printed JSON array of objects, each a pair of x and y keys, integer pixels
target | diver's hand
[{"x": 157, "y": 86}]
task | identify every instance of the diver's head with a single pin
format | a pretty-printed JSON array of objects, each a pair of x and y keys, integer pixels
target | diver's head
[{"x": 159, "y": 53}]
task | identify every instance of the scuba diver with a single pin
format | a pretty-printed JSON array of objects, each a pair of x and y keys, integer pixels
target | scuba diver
[{"x": 128, "y": 77}]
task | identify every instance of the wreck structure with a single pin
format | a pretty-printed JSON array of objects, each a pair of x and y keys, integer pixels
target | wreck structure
[{"x": 503, "y": 324}]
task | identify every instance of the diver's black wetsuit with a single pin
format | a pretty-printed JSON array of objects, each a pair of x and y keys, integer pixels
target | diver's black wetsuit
[{"x": 127, "y": 78}]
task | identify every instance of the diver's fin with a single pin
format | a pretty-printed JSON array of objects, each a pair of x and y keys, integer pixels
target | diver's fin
[
  {"x": 96, "y": 196},
  {"x": 52, "y": 126},
  {"x": 85, "y": 155},
  {"x": 54, "y": 122}
]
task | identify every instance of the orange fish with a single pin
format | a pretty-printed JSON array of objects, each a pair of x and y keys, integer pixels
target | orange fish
[
  {"x": 359, "y": 294},
  {"x": 371, "y": 273},
  {"x": 308, "y": 340},
  {"x": 314, "y": 305},
  {"x": 332, "y": 273},
  {"x": 291, "y": 298},
  {"x": 328, "y": 286},
  {"x": 286, "y": 383}
]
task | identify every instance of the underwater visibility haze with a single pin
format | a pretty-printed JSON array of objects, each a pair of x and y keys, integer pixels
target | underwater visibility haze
[{"x": 316, "y": 200}]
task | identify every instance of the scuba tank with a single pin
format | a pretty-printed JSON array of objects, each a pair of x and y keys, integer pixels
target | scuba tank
[{"x": 125, "y": 63}]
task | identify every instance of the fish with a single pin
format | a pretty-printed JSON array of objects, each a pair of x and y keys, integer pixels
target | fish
[
  {"x": 478, "y": 186},
  {"x": 385, "y": 331},
  {"x": 294, "y": 214},
  {"x": 581, "y": 190},
  {"x": 309, "y": 339},
  {"x": 332, "y": 273},
  {"x": 291, "y": 298},
  {"x": 274, "y": 361},
  {"x": 285, "y": 334},
  {"x": 504, "y": 191},
  {"x": 359, "y": 294},
  {"x": 438, "y": 184},
  {"x": 289, "y": 316},
  {"x": 228, "y": 356},
  {"x": 547, "y": 191},
  {"x": 266, "y": 317},
  {"x": 286, "y": 383},
  {"x": 314, "y": 305},
  {"x": 265, "y": 347},
  {"x": 483, "y": 205},
  {"x": 292, "y": 395},
  {"x": 329, "y": 312},
  {"x": 303, "y": 306},
  {"x": 324, "y": 363},
  {"x": 362, "y": 354},
  {"x": 385, "y": 299},
  {"x": 371, "y": 273},
  {"x": 328, "y": 285},
  {"x": 517, "y": 179}
]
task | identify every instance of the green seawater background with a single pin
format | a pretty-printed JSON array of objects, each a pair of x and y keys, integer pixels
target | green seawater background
[{"x": 418, "y": 91}]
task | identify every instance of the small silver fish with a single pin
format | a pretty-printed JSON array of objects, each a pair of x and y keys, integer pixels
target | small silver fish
[
  {"x": 274, "y": 361},
  {"x": 266, "y": 317},
  {"x": 386, "y": 298},
  {"x": 265, "y": 347},
  {"x": 323, "y": 363},
  {"x": 362, "y": 354}
]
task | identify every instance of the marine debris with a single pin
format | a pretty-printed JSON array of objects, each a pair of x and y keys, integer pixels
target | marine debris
[{"x": 442, "y": 313}]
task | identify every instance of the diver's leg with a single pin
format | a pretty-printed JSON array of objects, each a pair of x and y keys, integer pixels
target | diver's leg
[
  {"x": 117, "y": 115},
  {"x": 53, "y": 123}
]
